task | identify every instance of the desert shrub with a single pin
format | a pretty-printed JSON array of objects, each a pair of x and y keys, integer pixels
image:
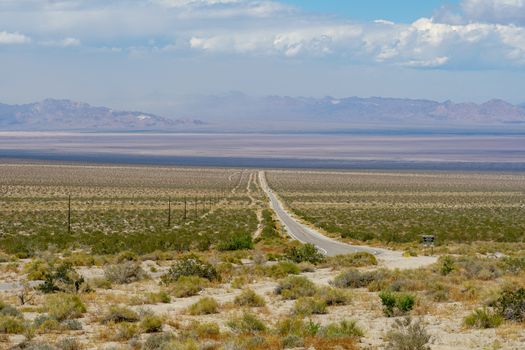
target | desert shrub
[
  {"x": 513, "y": 265},
  {"x": 333, "y": 296},
  {"x": 446, "y": 265},
  {"x": 157, "y": 341},
  {"x": 8, "y": 310},
  {"x": 36, "y": 269},
  {"x": 11, "y": 324},
  {"x": 205, "y": 330},
  {"x": 118, "y": 314},
  {"x": 61, "y": 279},
  {"x": 248, "y": 323},
  {"x": 158, "y": 298},
  {"x": 309, "y": 306},
  {"x": 48, "y": 324},
  {"x": 296, "y": 326},
  {"x": 239, "y": 282},
  {"x": 187, "y": 286},
  {"x": 151, "y": 324},
  {"x": 293, "y": 287},
  {"x": 249, "y": 298},
  {"x": 100, "y": 282},
  {"x": 72, "y": 325},
  {"x": 343, "y": 329},
  {"x": 407, "y": 335},
  {"x": 127, "y": 272},
  {"x": 359, "y": 259},
  {"x": 305, "y": 253},
  {"x": 438, "y": 292},
  {"x": 190, "y": 265},
  {"x": 63, "y": 306},
  {"x": 69, "y": 343},
  {"x": 355, "y": 279},
  {"x": 205, "y": 306},
  {"x": 127, "y": 255},
  {"x": 483, "y": 318},
  {"x": 511, "y": 305},
  {"x": 283, "y": 269},
  {"x": 237, "y": 242},
  {"x": 80, "y": 259},
  {"x": 292, "y": 341},
  {"x": 124, "y": 331},
  {"x": 395, "y": 304}
]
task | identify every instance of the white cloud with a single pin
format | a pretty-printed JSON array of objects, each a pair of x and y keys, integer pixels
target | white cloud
[
  {"x": 66, "y": 42},
  {"x": 7, "y": 38},
  {"x": 495, "y": 11}
]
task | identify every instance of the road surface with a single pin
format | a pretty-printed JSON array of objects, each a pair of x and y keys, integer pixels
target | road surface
[
  {"x": 391, "y": 259},
  {"x": 305, "y": 234}
]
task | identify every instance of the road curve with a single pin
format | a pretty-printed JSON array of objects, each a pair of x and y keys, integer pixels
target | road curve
[{"x": 305, "y": 234}]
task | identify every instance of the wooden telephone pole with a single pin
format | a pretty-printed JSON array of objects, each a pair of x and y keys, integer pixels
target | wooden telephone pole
[
  {"x": 69, "y": 214},
  {"x": 185, "y": 209},
  {"x": 169, "y": 212}
]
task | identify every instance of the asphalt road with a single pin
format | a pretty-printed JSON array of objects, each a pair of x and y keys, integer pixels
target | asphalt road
[{"x": 305, "y": 234}]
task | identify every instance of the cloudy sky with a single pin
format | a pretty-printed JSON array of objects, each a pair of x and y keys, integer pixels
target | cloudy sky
[{"x": 148, "y": 53}]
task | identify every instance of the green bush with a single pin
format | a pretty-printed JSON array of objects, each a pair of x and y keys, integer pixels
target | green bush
[
  {"x": 151, "y": 324},
  {"x": 305, "y": 253},
  {"x": 8, "y": 310},
  {"x": 343, "y": 329},
  {"x": 187, "y": 286},
  {"x": 483, "y": 318},
  {"x": 158, "y": 298},
  {"x": 118, "y": 314},
  {"x": 127, "y": 272},
  {"x": 248, "y": 323},
  {"x": 62, "y": 279},
  {"x": 190, "y": 265},
  {"x": 447, "y": 265},
  {"x": 395, "y": 304},
  {"x": 205, "y": 306},
  {"x": 407, "y": 335},
  {"x": 249, "y": 298},
  {"x": 11, "y": 324},
  {"x": 69, "y": 343},
  {"x": 239, "y": 242},
  {"x": 282, "y": 269},
  {"x": 356, "y": 279},
  {"x": 309, "y": 306},
  {"x": 293, "y": 287},
  {"x": 511, "y": 305},
  {"x": 333, "y": 296},
  {"x": 62, "y": 306}
]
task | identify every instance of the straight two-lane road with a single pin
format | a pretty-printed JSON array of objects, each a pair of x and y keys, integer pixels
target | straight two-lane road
[{"x": 305, "y": 234}]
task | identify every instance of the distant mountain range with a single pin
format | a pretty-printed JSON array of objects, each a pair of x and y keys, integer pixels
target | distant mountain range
[
  {"x": 237, "y": 111},
  {"x": 53, "y": 114},
  {"x": 349, "y": 112}
]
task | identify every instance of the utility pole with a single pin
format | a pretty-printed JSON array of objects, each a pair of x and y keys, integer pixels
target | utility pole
[
  {"x": 184, "y": 209},
  {"x": 169, "y": 212},
  {"x": 69, "y": 214}
]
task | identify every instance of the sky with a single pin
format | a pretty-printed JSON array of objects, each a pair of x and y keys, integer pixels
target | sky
[{"x": 149, "y": 54}]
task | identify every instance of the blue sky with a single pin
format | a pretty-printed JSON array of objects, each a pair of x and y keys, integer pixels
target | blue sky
[
  {"x": 149, "y": 54},
  {"x": 369, "y": 10}
]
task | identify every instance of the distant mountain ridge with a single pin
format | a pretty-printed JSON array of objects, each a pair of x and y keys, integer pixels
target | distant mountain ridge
[
  {"x": 351, "y": 111},
  {"x": 51, "y": 114},
  {"x": 240, "y": 112}
]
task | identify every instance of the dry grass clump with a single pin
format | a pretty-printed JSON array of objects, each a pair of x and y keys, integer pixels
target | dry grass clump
[
  {"x": 187, "y": 286},
  {"x": 333, "y": 296},
  {"x": 308, "y": 306},
  {"x": 124, "y": 273},
  {"x": 356, "y": 279},
  {"x": 407, "y": 334},
  {"x": 249, "y": 298},
  {"x": 483, "y": 318},
  {"x": 359, "y": 259},
  {"x": 118, "y": 314},
  {"x": 293, "y": 287},
  {"x": 63, "y": 306},
  {"x": 205, "y": 306},
  {"x": 282, "y": 269},
  {"x": 248, "y": 323}
]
